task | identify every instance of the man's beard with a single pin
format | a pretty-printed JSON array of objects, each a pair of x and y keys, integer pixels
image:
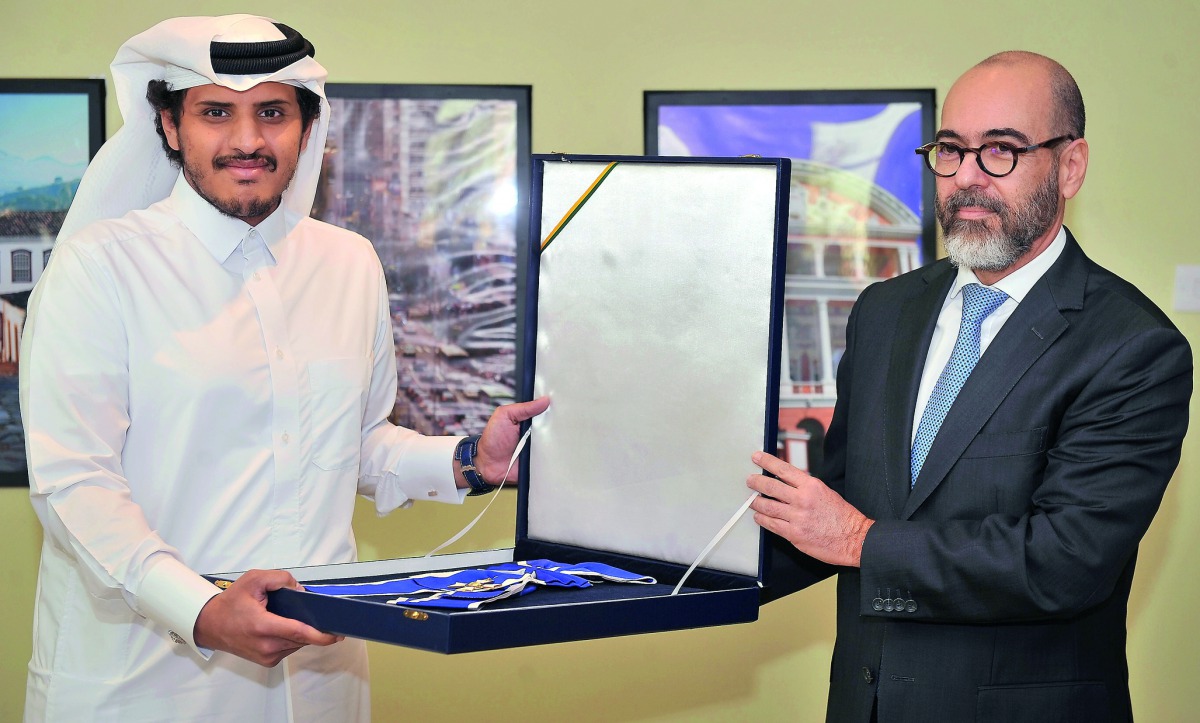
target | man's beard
[
  {"x": 235, "y": 207},
  {"x": 971, "y": 244}
]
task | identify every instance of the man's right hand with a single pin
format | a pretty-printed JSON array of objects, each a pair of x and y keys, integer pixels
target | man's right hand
[{"x": 237, "y": 621}]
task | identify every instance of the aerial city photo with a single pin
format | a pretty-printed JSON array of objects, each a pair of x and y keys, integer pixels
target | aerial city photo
[{"x": 433, "y": 184}]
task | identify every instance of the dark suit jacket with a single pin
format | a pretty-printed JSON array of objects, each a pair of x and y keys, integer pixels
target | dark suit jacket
[{"x": 997, "y": 588}]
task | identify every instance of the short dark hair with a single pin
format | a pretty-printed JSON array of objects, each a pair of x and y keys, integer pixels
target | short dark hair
[
  {"x": 1069, "y": 101},
  {"x": 162, "y": 98}
]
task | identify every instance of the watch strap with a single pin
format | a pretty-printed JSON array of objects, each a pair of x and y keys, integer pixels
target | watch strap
[{"x": 465, "y": 453}]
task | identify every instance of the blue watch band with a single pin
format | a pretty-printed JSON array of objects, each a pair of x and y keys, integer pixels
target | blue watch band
[{"x": 465, "y": 454}]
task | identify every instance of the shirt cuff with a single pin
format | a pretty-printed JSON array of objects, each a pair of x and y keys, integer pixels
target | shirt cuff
[
  {"x": 172, "y": 595},
  {"x": 424, "y": 473}
]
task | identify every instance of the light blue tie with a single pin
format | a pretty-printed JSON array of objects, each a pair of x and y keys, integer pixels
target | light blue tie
[{"x": 978, "y": 303}]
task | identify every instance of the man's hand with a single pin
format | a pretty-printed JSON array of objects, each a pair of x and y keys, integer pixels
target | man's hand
[
  {"x": 807, "y": 513},
  {"x": 237, "y": 621},
  {"x": 500, "y": 438}
]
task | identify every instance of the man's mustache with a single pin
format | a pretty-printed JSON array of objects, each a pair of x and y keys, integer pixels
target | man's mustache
[
  {"x": 961, "y": 199},
  {"x": 222, "y": 161}
]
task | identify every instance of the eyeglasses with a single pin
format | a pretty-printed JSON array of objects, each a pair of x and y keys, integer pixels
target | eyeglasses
[{"x": 997, "y": 159}]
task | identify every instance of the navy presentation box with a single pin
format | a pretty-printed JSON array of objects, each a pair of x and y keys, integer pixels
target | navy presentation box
[{"x": 652, "y": 318}]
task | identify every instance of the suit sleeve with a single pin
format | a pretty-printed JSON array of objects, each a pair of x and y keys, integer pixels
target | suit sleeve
[
  {"x": 833, "y": 468},
  {"x": 1117, "y": 444}
]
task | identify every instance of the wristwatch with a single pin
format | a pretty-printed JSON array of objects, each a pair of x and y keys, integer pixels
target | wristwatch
[{"x": 465, "y": 453}]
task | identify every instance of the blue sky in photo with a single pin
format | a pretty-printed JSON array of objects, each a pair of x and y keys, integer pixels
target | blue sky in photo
[
  {"x": 43, "y": 139},
  {"x": 788, "y": 131}
]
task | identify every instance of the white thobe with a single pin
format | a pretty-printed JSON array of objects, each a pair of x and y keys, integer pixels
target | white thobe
[{"x": 200, "y": 396}]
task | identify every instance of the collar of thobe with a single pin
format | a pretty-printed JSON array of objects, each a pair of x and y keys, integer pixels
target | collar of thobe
[{"x": 220, "y": 234}]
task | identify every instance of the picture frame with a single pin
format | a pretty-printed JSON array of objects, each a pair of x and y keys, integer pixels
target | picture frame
[
  {"x": 861, "y": 211},
  {"x": 50, "y": 129},
  {"x": 437, "y": 178}
]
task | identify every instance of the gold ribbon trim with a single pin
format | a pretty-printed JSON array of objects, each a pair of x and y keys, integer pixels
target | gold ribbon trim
[{"x": 578, "y": 205}]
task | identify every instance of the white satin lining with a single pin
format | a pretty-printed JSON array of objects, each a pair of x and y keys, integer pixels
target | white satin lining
[{"x": 653, "y": 329}]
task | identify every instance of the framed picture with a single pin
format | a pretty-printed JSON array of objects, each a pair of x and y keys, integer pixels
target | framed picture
[
  {"x": 437, "y": 177},
  {"x": 49, "y": 131},
  {"x": 861, "y": 211}
]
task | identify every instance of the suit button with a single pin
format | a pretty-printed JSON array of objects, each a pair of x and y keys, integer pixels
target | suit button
[
  {"x": 910, "y": 605},
  {"x": 867, "y": 677}
]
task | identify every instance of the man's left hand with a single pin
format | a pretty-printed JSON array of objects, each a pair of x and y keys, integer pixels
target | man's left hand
[
  {"x": 500, "y": 438},
  {"x": 806, "y": 513}
]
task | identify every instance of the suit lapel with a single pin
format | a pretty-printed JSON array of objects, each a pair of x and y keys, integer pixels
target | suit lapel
[
  {"x": 1033, "y": 327},
  {"x": 918, "y": 318}
]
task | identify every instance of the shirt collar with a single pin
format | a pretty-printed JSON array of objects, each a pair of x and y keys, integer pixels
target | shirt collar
[
  {"x": 220, "y": 234},
  {"x": 1018, "y": 283}
]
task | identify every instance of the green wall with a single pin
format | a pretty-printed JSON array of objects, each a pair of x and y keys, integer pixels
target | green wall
[{"x": 1138, "y": 66}]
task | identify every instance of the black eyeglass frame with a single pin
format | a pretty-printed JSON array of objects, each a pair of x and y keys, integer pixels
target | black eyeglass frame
[{"x": 1017, "y": 151}]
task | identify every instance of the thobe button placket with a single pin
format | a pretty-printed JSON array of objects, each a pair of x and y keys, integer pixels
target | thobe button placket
[{"x": 286, "y": 520}]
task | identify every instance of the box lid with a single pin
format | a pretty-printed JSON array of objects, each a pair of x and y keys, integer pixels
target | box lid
[{"x": 652, "y": 318}]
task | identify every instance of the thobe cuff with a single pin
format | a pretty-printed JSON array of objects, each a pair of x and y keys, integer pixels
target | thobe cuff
[
  {"x": 424, "y": 473},
  {"x": 172, "y": 595}
]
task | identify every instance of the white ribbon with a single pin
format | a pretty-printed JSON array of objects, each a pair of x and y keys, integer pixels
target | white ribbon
[
  {"x": 715, "y": 541},
  {"x": 516, "y": 453}
]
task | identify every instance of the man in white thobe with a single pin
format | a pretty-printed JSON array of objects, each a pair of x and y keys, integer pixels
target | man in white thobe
[{"x": 205, "y": 382}]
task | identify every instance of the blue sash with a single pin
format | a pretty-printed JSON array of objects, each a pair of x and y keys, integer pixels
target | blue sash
[{"x": 470, "y": 589}]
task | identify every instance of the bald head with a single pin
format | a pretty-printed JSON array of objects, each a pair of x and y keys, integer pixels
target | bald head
[{"x": 1067, "y": 101}]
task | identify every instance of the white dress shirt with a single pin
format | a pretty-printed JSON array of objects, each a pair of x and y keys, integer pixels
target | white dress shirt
[
  {"x": 201, "y": 396},
  {"x": 1016, "y": 285}
]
